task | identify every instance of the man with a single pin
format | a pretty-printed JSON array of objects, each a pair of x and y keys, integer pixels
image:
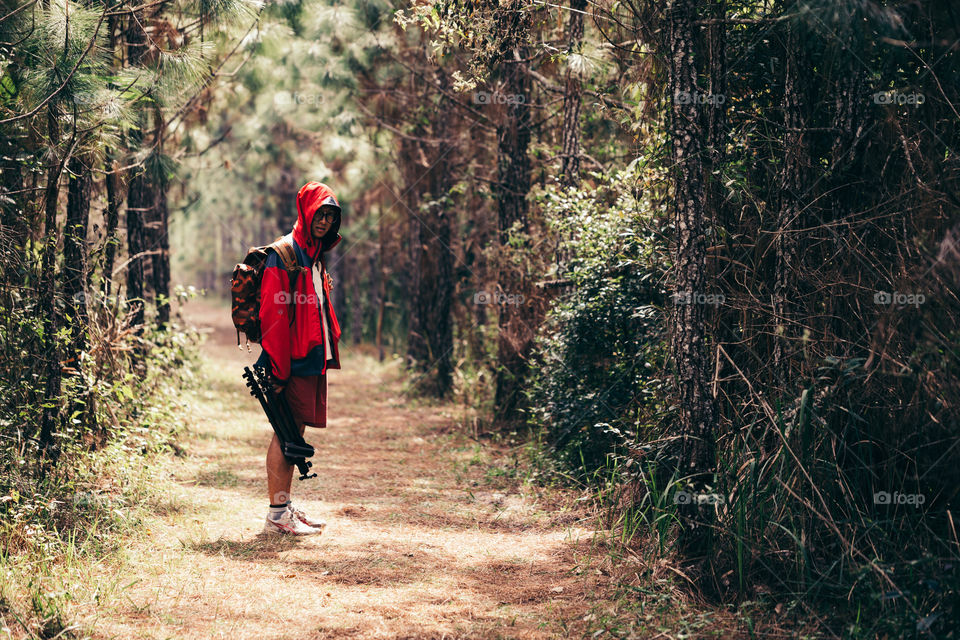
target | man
[{"x": 299, "y": 350}]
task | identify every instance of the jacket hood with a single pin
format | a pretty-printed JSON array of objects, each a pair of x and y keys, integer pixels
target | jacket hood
[{"x": 309, "y": 199}]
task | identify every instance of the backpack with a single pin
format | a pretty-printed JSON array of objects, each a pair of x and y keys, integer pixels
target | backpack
[{"x": 245, "y": 286}]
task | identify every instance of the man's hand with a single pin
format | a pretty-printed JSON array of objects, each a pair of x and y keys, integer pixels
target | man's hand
[{"x": 278, "y": 385}]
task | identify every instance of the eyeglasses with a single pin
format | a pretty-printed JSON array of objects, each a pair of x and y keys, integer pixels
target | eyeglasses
[{"x": 328, "y": 215}]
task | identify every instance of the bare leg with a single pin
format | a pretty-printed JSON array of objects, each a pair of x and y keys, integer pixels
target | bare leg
[{"x": 279, "y": 472}]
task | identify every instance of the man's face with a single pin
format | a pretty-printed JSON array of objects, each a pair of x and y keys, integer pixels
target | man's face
[{"x": 322, "y": 221}]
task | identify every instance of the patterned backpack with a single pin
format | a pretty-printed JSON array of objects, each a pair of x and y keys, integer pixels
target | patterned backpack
[{"x": 245, "y": 286}]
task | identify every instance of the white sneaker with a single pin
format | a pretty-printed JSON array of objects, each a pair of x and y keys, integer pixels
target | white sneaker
[
  {"x": 288, "y": 524},
  {"x": 305, "y": 519}
]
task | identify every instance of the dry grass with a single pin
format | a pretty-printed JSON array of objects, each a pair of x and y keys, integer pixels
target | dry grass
[{"x": 417, "y": 544}]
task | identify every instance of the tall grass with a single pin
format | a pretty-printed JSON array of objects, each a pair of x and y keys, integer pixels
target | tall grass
[{"x": 54, "y": 525}]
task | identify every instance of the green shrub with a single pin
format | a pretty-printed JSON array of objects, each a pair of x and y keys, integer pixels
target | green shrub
[{"x": 598, "y": 385}]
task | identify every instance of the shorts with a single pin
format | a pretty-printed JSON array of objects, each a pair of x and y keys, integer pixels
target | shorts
[{"x": 307, "y": 396}]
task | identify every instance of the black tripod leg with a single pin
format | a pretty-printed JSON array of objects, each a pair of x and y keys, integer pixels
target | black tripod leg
[
  {"x": 260, "y": 393},
  {"x": 283, "y": 407},
  {"x": 284, "y": 425}
]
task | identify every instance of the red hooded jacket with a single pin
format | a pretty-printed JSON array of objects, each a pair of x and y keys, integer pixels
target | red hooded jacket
[{"x": 298, "y": 348}]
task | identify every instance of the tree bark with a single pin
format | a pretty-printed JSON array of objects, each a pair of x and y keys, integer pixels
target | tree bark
[
  {"x": 366, "y": 308},
  {"x": 572, "y": 100},
  {"x": 161, "y": 253},
  {"x": 697, "y": 407},
  {"x": 114, "y": 201},
  {"x": 139, "y": 201},
  {"x": 716, "y": 112},
  {"x": 381, "y": 283},
  {"x": 430, "y": 340},
  {"x": 51, "y": 418},
  {"x": 357, "y": 309},
  {"x": 511, "y": 188},
  {"x": 141, "y": 198},
  {"x": 792, "y": 185},
  {"x": 75, "y": 250}
]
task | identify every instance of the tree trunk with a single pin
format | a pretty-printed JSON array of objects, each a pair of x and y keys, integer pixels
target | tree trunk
[
  {"x": 354, "y": 311},
  {"x": 381, "y": 283},
  {"x": 161, "y": 256},
  {"x": 141, "y": 198},
  {"x": 430, "y": 341},
  {"x": 114, "y": 201},
  {"x": 364, "y": 304},
  {"x": 50, "y": 421},
  {"x": 697, "y": 407},
  {"x": 570, "y": 155},
  {"x": 513, "y": 184},
  {"x": 139, "y": 201},
  {"x": 716, "y": 112},
  {"x": 75, "y": 251},
  {"x": 792, "y": 185}
]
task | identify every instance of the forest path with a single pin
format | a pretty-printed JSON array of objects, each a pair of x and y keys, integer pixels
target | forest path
[{"x": 428, "y": 533}]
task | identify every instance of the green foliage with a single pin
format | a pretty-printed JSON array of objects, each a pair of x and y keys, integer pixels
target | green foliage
[
  {"x": 598, "y": 385},
  {"x": 117, "y": 416},
  {"x": 484, "y": 28},
  {"x": 840, "y": 398},
  {"x": 229, "y": 10},
  {"x": 80, "y": 410},
  {"x": 107, "y": 400}
]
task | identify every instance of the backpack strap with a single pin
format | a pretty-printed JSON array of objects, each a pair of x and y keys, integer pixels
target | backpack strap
[
  {"x": 288, "y": 256},
  {"x": 285, "y": 250}
]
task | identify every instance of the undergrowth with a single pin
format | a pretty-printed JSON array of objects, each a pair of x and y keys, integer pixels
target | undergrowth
[{"x": 56, "y": 520}]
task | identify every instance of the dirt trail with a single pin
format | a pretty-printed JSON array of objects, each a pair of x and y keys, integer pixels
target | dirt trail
[{"x": 425, "y": 537}]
